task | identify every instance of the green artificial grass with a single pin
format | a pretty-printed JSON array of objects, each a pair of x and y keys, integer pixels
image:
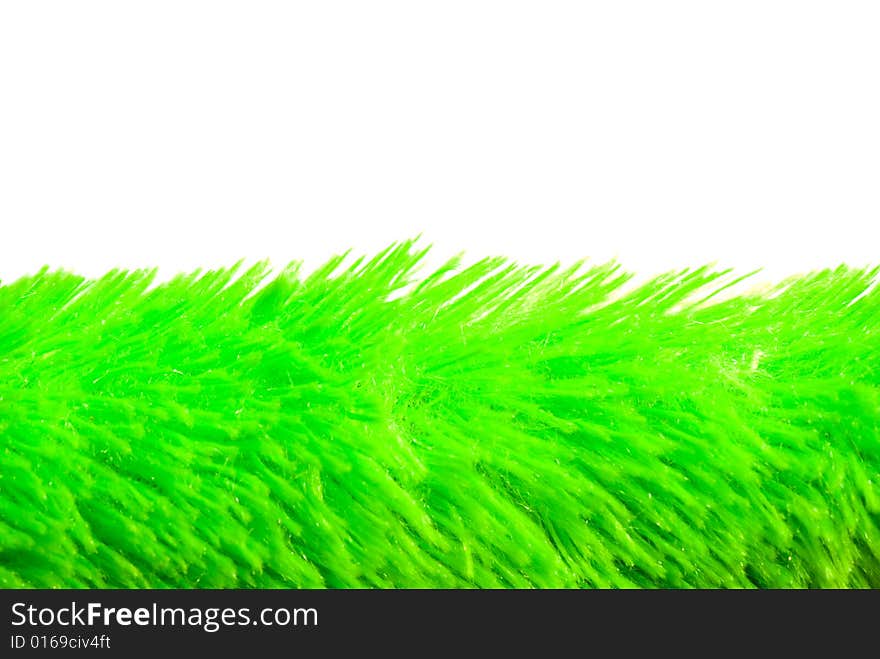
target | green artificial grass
[{"x": 483, "y": 426}]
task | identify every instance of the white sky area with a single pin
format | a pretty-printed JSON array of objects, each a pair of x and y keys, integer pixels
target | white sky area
[{"x": 185, "y": 134}]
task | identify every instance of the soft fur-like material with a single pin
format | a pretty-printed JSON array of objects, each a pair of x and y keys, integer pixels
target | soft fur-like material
[{"x": 488, "y": 426}]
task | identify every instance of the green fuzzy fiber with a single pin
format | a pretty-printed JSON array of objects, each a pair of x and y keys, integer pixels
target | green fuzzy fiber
[{"x": 484, "y": 426}]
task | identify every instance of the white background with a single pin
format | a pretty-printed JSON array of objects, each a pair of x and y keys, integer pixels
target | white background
[{"x": 184, "y": 134}]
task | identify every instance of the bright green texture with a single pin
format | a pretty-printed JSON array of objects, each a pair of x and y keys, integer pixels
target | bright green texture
[{"x": 492, "y": 426}]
